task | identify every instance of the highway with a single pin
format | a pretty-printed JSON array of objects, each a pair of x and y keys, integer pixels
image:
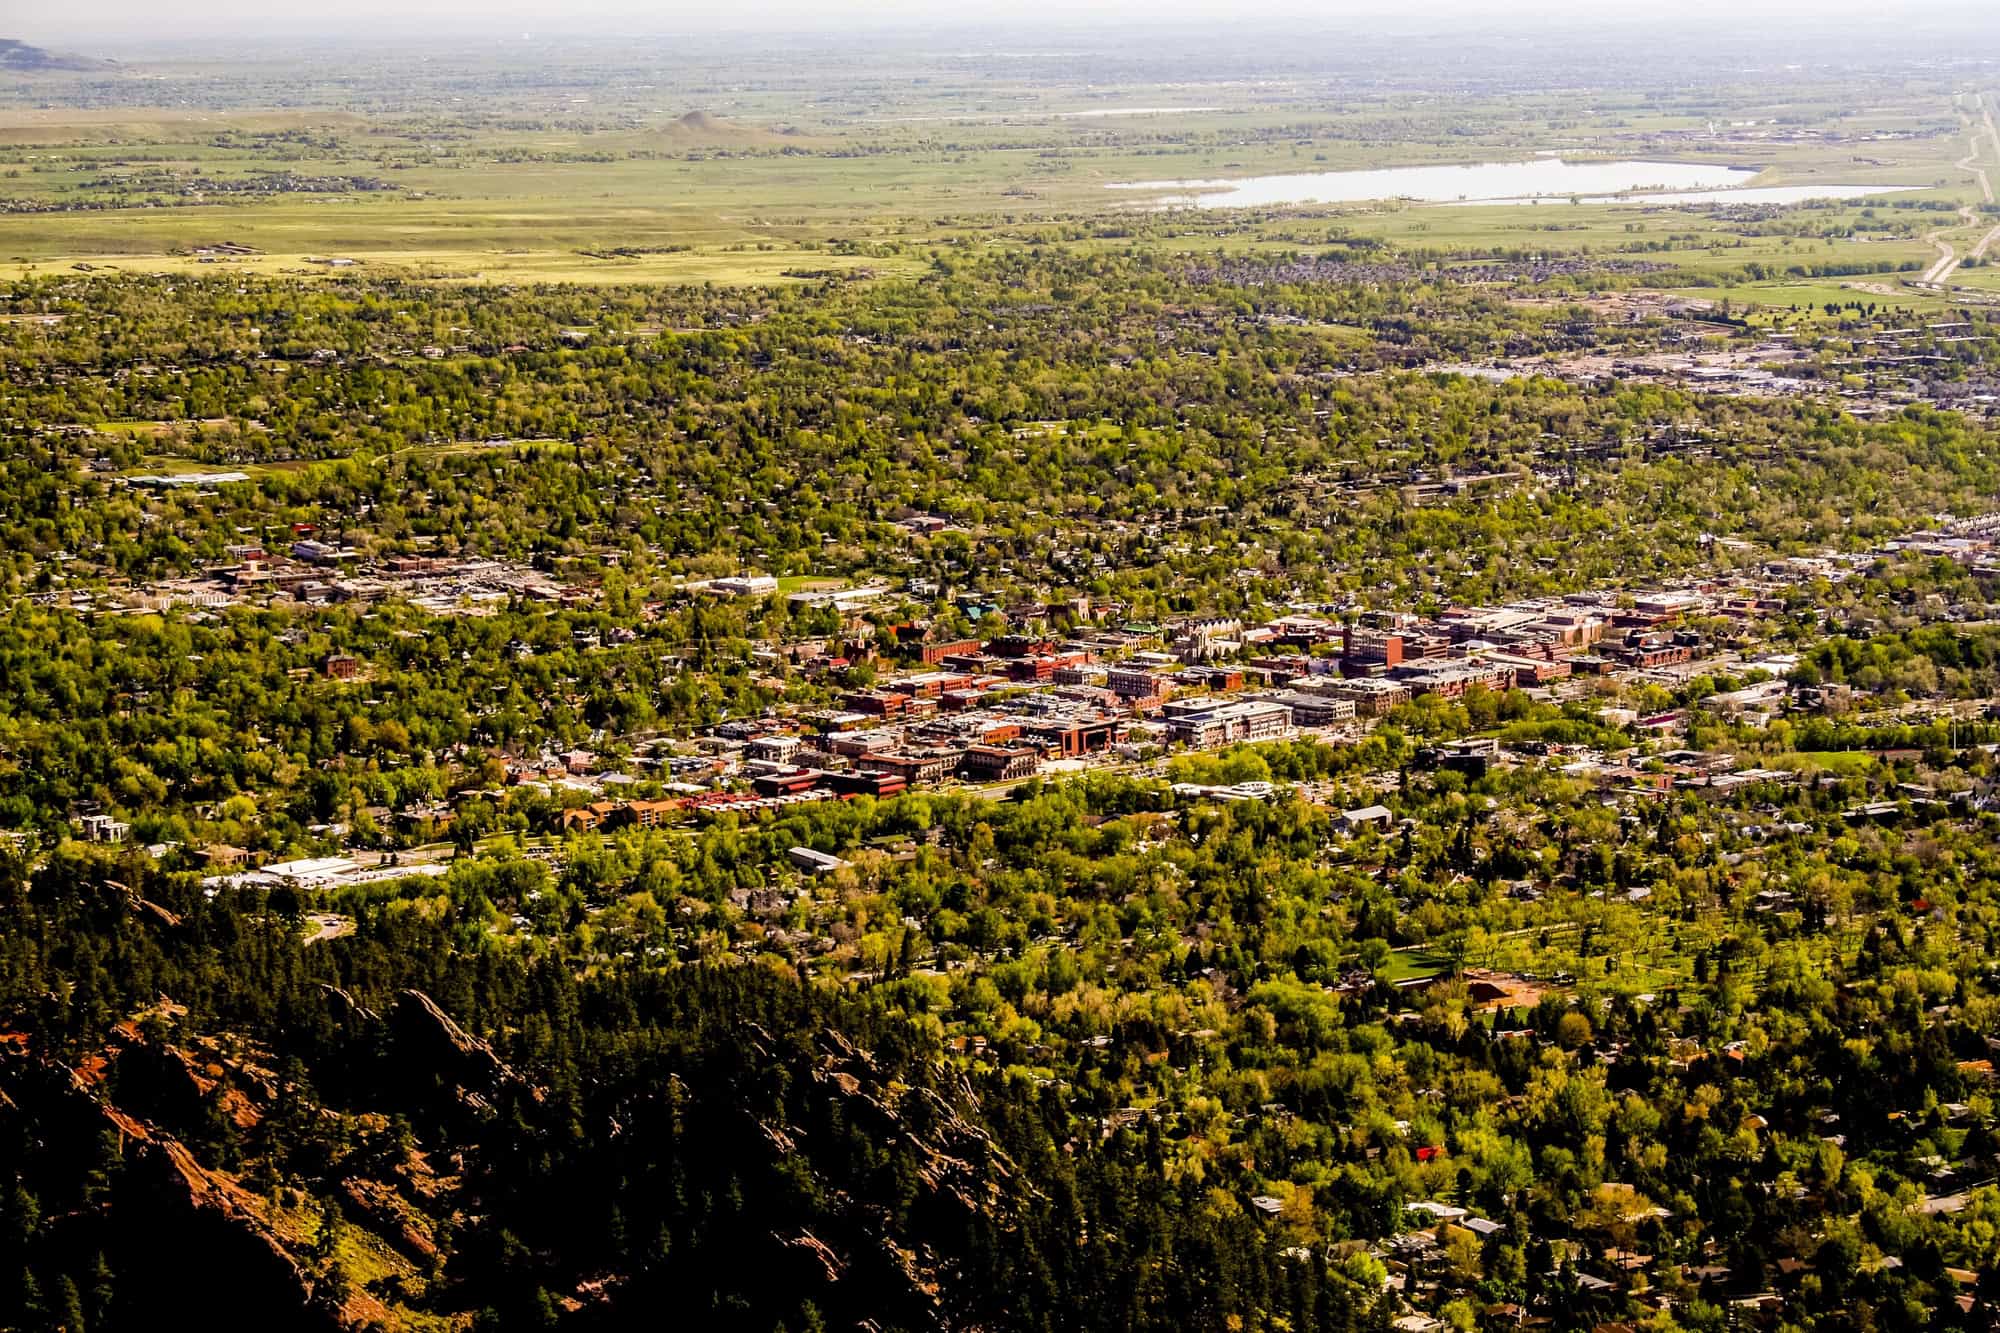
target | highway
[
  {"x": 1938, "y": 274},
  {"x": 1985, "y": 185}
]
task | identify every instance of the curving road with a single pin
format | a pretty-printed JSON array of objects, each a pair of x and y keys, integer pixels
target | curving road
[
  {"x": 327, "y": 926},
  {"x": 1938, "y": 274},
  {"x": 1986, "y": 186}
]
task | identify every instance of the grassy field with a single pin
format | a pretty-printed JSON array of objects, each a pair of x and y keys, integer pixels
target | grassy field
[
  {"x": 726, "y": 266},
  {"x": 172, "y": 465},
  {"x": 1841, "y": 763},
  {"x": 761, "y": 180}
]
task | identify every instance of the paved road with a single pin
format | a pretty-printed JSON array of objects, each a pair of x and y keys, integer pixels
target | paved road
[
  {"x": 1949, "y": 259},
  {"x": 327, "y": 926},
  {"x": 1985, "y": 185}
]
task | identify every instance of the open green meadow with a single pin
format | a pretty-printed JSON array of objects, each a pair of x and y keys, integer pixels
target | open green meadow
[{"x": 765, "y": 181}]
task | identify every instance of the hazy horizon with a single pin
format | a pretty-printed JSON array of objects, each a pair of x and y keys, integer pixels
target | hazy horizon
[{"x": 113, "y": 24}]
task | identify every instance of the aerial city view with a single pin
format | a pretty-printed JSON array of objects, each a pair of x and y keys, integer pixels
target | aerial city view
[{"x": 901, "y": 667}]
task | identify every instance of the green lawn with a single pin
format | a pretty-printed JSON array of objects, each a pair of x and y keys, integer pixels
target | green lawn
[{"x": 780, "y": 186}]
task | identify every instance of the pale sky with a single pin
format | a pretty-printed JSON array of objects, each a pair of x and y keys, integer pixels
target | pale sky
[{"x": 119, "y": 22}]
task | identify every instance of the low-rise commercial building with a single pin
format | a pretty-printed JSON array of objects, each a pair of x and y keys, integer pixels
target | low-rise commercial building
[{"x": 1208, "y": 725}]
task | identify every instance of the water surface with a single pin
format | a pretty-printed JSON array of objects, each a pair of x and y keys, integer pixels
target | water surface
[
  {"x": 1537, "y": 180},
  {"x": 1446, "y": 184}
]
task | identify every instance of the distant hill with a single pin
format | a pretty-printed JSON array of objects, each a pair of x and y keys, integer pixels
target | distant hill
[
  {"x": 703, "y": 127},
  {"x": 21, "y": 57}
]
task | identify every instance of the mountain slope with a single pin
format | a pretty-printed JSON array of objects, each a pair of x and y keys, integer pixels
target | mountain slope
[
  {"x": 407, "y": 1127},
  {"x": 18, "y": 57}
]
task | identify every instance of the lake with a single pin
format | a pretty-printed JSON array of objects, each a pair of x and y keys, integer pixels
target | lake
[{"x": 1494, "y": 182}]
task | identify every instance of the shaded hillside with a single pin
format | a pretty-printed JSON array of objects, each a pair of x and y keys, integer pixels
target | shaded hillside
[
  {"x": 408, "y": 1126},
  {"x": 18, "y": 57},
  {"x": 705, "y": 128}
]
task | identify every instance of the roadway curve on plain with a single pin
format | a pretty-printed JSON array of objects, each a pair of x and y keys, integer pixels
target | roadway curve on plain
[
  {"x": 1949, "y": 259},
  {"x": 327, "y": 926},
  {"x": 1986, "y": 186}
]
